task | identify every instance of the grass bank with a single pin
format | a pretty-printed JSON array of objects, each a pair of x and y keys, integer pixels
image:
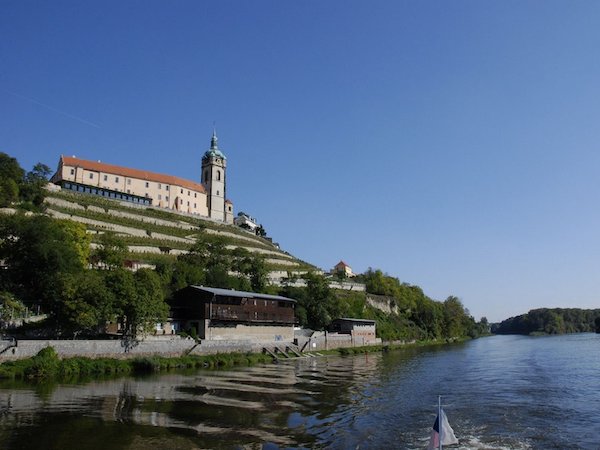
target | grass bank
[{"x": 47, "y": 365}]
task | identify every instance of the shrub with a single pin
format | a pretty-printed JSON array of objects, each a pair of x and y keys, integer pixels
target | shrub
[{"x": 43, "y": 365}]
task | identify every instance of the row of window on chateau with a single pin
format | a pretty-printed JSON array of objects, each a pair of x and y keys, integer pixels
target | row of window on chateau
[
  {"x": 128, "y": 180},
  {"x": 116, "y": 195}
]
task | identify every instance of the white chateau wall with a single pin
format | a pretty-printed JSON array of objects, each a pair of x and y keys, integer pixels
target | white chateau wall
[{"x": 163, "y": 195}]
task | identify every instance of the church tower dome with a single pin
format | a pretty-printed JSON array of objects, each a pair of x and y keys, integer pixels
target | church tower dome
[{"x": 213, "y": 151}]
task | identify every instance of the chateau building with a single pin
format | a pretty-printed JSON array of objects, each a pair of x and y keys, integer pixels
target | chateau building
[{"x": 207, "y": 198}]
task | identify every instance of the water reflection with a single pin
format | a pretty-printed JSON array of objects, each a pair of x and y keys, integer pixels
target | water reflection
[{"x": 502, "y": 391}]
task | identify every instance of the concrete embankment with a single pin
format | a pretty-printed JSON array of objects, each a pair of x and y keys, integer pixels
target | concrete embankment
[
  {"x": 11, "y": 349},
  {"x": 115, "y": 348}
]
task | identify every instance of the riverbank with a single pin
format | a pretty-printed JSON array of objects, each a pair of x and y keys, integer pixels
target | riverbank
[{"x": 48, "y": 365}]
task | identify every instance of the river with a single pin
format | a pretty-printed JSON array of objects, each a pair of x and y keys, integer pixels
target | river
[{"x": 500, "y": 392}]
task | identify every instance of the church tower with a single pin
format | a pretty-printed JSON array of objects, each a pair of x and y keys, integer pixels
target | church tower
[{"x": 214, "y": 163}]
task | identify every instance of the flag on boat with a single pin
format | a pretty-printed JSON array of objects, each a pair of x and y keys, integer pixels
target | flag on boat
[{"x": 447, "y": 432}]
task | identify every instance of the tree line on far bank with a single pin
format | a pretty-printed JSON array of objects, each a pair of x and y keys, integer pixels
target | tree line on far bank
[{"x": 551, "y": 321}]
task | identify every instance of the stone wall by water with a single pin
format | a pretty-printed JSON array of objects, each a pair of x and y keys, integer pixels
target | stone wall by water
[
  {"x": 114, "y": 348},
  {"x": 321, "y": 340},
  {"x": 176, "y": 346}
]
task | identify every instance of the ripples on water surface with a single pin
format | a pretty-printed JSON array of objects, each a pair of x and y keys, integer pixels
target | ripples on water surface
[{"x": 503, "y": 392}]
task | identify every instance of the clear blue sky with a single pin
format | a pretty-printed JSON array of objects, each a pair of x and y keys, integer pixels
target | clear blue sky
[{"x": 455, "y": 145}]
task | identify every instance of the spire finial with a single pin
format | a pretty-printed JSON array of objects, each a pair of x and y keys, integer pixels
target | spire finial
[{"x": 213, "y": 140}]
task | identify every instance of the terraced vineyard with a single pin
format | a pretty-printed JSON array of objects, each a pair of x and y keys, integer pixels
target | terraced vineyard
[{"x": 154, "y": 234}]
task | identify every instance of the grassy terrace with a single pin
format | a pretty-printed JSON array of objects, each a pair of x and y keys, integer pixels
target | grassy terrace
[
  {"x": 245, "y": 239},
  {"x": 127, "y": 222},
  {"x": 86, "y": 200},
  {"x": 83, "y": 200},
  {"x": 149, "y": 241}
]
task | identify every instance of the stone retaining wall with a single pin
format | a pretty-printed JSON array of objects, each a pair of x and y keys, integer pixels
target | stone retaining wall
[
  {"x": 331, "y": 341},
  {"x": 95, "y": 348},
  {"x": 176, "y": 346}
]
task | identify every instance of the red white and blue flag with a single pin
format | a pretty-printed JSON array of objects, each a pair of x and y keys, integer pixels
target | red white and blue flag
[{"x": 441, "y": 427}]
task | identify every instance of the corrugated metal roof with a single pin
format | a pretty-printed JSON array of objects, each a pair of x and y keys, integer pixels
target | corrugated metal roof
[{"x": 240, "y": 294}]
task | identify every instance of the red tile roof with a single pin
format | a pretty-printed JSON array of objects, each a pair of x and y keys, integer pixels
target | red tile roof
[{"x": 131, "y": 173}]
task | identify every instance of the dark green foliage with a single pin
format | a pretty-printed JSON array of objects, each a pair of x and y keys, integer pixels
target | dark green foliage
[
  {"x": 147, "y": 307},
  {"x": 111, "y": 252},
  {"x": 43, "y": 365},
  {"x": 317, "y": 304},
  {"x": 47, "y": 261},
  {"x": 415, "y": 316},
  {"x": 32, "y": 190},
  {"x": 550, "y": 321},
  {"x": 86, "y": 303},
  {"x": 39, "y": 252},
  {"x": 17, "y": 187},
  {"x": 11, "y": 177},
  {"x": 11, "y": 307},
  {"x": 210, "y": 263},
  {"x": 379, "y": 283}
]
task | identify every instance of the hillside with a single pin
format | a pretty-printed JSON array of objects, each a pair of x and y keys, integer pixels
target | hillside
[{"x": 154, "y": 235}]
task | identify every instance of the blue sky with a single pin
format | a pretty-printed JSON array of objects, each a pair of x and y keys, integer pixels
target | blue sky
[{"x": 454, "y": 145}]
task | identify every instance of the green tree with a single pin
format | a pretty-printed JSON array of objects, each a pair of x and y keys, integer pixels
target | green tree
[
  {"x": 429, "y": 316},
  {"x": 11, "y": 177},
  {"x": 87, "y": 303},
  {"x": 251, "y": 269},
  {"x": 77, "y": 235},
  {"x": 39, "y": 252},
  {"x": 318, "y": 301},
  {"x": 32, "y": 190},
  {"x": 405, "y": 295},
  {"x": 454, "y": 318},
  {"x": 111, "y": 252},
  {"x": 207, "y": 262},
  {"x": 555, "y": 323},
  {"x": 147, "y": 307},
  {"x": 10, "y": 307},
  {"x": 186, "y": 273}
]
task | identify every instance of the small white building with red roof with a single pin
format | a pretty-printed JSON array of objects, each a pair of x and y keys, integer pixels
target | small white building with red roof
[{"x": 343, "y": 269}]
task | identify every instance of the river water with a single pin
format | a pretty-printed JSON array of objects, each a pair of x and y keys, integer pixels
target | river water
[{"x": 501, "y": 392}]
